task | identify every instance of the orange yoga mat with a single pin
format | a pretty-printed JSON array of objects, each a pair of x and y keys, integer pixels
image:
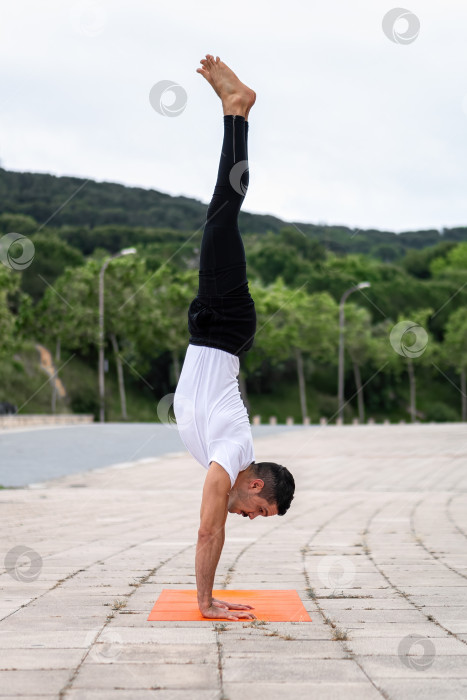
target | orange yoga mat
[{"x": 272, "y": 606}]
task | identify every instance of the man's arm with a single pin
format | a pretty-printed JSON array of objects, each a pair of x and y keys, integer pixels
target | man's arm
[{"x": 211, "y": 535}]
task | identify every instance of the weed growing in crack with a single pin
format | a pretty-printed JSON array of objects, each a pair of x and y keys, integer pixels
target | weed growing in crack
[{"x": 339, "y": 635}]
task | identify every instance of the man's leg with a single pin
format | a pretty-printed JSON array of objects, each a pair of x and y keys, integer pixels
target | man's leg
[
  {"x": 222, "y": 269},
  {"x": 222, "y": 315}
]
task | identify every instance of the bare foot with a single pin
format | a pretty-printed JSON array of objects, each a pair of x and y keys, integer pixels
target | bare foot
[{"x": 236, "y": 97}]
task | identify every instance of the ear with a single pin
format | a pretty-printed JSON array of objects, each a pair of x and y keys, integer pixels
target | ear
[{"x": 256, "y": 484}]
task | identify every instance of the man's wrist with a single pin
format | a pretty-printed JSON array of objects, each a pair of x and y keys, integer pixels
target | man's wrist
[{"x": 204, "y": 603}]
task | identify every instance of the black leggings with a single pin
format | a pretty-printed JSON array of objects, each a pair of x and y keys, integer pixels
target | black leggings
[{"x": 222, "y": 315}]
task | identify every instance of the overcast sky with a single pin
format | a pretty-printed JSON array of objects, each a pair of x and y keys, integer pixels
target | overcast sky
[{"x": 349, "y": 127}]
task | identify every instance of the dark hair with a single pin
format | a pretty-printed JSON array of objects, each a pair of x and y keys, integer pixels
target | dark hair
[{"x": 279, "y": 484}]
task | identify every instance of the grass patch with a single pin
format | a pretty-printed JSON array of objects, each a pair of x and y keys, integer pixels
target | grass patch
[{"x": 339, "y": 635}]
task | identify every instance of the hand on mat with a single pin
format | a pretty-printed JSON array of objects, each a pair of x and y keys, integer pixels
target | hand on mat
[
  {"x": 214, "y": 612},
  {"x": 231, "y": 606}
]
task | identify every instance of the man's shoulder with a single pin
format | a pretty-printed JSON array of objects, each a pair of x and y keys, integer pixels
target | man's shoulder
[
  {"x": 234, "y": 456},
  {"x": 219, "y": 478}
]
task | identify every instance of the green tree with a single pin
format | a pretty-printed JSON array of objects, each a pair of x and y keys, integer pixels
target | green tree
[
  {"x": 172, "y": 292},
  {"x": 359, "y": 345},
  {"x": 127, "y": 314},
  {"x": 17, "y": 223},
  {"x": 413, "y": 343},
  {"x": 314, "y": 332},
  {"x": 455, "y": 260},
  {"x": 9, "y": 284},
  {"x": 417, "y": 262},
  {"x": 291, "y": 323},
  {"x": 272, "y": 258},
  {"x": 454, "y": 350},
  {"x": 52, "y": 256}
]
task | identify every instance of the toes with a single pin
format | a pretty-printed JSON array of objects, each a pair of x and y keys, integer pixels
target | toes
[{"x": 205, "y": 74}]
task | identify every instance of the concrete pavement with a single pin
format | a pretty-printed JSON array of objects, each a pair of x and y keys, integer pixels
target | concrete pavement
[{"x": 375, "y": 543}]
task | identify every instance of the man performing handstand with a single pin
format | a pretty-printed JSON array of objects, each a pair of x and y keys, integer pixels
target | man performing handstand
[{"x": 211, "y": 416}]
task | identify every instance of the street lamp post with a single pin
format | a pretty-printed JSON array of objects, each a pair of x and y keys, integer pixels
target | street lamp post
[
  {"x": 340, "y": 389},
  {"x": 125, "y": 251}
]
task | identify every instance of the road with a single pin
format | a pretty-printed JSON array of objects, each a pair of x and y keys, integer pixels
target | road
[{"x": 34, "y": 455}]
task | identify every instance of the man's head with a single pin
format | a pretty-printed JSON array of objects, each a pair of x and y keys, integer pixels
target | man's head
[{"x": 263, "y": 488}]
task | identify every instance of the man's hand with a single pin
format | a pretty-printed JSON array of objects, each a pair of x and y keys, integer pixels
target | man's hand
[
  {"x": 230, "y": 606},
  {"x": 215, "y": 612}
]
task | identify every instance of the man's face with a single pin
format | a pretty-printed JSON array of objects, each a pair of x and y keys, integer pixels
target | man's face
[{"x": 249, "y": 503}]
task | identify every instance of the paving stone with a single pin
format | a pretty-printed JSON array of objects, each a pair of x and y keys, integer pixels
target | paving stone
[
  {"x": 133, "y": 694},
  {"x": 25, "y": 682},
  {"x": 424, "y": 688},
  {"x": 388, "y": 616},
  {"x": 270, "y": 646},
  {"x": 115, "y": 651},
  {"x": 417, "y": 591},
  {"x": 34, "y": 658},
  {"x": 280, "y": 670},
  {"x": 147, "y": 676},
  {"x": 166, "y": 635},
  {"x": 377, "y": 646},
  {"x": 58, "y": 623},
  {"x": 453, "y": 626},
  {"x": 428, "y": 666},
  {"x": 301, "y": 691},
  {"x": 388, "y": 629},
  {"x": 26, "y": 639},
  {"x": 338, "y": 604}
]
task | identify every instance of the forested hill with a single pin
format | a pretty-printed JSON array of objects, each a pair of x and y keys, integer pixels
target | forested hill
[
  {"x": 102, "y": 203},
  {"x": 90, "y": 204}
]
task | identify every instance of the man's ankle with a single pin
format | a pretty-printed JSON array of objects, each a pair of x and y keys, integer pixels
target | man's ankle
[{"x": 235, "y": 106}]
